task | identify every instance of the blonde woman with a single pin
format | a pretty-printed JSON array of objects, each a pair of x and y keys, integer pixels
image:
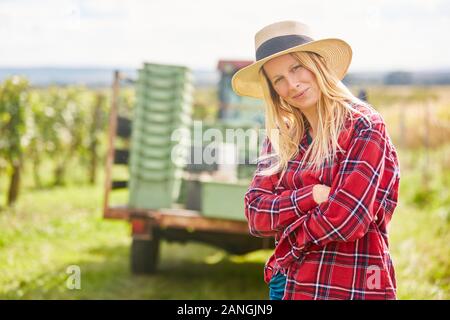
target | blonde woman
[{"x": 327, "y": 180}]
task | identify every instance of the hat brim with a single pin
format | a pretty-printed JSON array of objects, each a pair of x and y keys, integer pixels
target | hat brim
[{"x": 336, "y": 52}]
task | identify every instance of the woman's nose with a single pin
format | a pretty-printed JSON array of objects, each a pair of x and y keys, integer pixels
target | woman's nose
[{"x": 293, "y": 84}]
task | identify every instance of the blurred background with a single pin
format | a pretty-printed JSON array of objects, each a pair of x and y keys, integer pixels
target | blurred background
[{"x": 90, "y": 92}]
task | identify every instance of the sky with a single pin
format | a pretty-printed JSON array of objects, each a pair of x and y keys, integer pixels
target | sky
[{"x": 384, "y": 34}]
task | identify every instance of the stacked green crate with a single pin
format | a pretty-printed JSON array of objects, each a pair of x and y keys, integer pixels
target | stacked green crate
[{"x": 160, "y": 135}]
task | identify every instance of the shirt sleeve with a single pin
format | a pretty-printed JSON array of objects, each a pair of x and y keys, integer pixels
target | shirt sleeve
[
  {"x": 348, "y": 212},
  {"x": 269, "y": 208}
]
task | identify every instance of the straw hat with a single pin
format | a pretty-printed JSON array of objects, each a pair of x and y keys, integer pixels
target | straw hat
[{"x": 284, "y": 37}]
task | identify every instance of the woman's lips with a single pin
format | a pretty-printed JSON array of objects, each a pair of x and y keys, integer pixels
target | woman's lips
[{"x": 301, "y": 94}]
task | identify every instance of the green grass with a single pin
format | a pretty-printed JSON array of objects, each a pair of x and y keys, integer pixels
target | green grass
[
  {"x": 51, "y": 229},
  {"x": 420, "y": 234}
]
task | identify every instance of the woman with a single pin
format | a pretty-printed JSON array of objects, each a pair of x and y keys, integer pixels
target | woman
[{"x": 327, "y": 180}]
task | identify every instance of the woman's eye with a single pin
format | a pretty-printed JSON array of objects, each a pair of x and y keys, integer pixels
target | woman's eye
[{"x": 297, "y": 67}]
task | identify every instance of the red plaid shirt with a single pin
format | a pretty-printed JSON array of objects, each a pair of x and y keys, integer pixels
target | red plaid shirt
[{"x": 338, "y": 249}]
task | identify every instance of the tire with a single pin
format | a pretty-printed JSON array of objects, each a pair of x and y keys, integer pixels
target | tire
[{"x": 145, "y": 255}]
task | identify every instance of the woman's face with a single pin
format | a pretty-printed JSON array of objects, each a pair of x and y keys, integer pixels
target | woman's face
[{"x": 293, "y": 82}]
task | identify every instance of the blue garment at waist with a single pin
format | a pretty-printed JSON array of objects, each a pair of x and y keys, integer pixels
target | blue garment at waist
[{"x": 276, "y": 286}]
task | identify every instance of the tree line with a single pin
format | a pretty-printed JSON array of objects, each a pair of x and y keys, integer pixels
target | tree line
[{"x": 56, "y": 123}]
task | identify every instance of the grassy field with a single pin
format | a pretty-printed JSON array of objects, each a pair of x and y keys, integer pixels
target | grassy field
[
  {"x": 51, "y": 229},
  {"x": 42, "y": 237}
]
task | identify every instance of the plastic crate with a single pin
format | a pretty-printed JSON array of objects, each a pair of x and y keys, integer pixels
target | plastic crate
[
  {"x": 174, "y": 119},
  {"x": 161, "y": 70},
  {"x": 154, "y": 194},
  {"x": 175, "y": 105},
  {"x": 213, "y": 195}
]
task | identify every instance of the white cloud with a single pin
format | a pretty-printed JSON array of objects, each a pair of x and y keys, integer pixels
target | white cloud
[{"x": 384, "y": 34}]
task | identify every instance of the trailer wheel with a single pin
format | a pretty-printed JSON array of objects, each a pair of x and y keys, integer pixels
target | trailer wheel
[{"x": 144, "y": 255}]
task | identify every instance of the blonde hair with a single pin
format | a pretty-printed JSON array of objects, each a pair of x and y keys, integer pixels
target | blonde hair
[{"x": 286, "y": 125}]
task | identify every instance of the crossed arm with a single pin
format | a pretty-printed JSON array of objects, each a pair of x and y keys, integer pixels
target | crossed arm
[
  {"x": 267, "y": 212},
  {"x": 303, "y": 215}
]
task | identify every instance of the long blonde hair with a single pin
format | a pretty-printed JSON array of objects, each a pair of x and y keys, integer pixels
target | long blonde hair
[{"x": 285, "y": 125}]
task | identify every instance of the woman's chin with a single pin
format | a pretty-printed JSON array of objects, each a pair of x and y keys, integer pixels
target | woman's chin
[{"x": 303, "y": 105}]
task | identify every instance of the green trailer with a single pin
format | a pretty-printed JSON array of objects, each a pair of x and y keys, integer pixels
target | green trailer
[{"x": 166, "y": 202}]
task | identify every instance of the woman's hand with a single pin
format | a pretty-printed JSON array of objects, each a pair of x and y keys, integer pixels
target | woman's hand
[{"x": 320, "y": 193}]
